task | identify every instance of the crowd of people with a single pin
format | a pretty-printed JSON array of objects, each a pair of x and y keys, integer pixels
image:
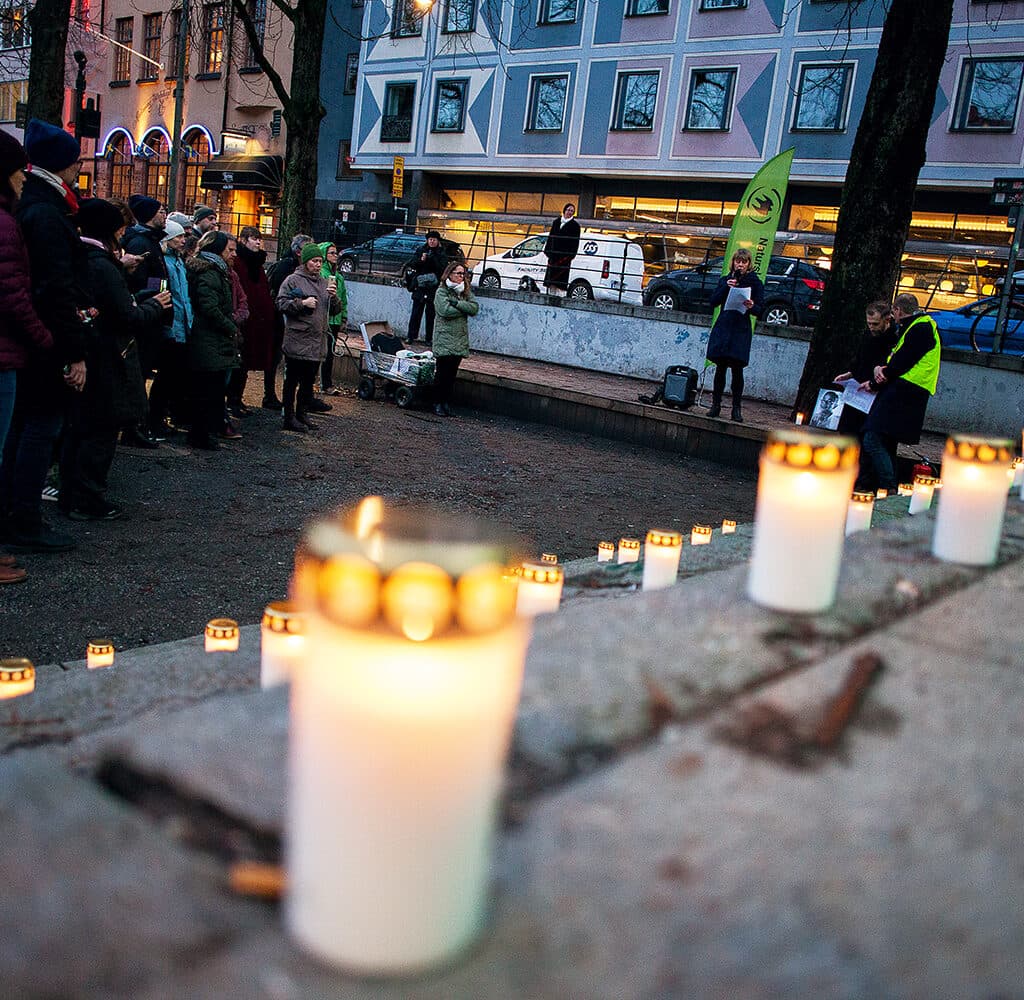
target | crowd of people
[{"x": 98, "y": 297}]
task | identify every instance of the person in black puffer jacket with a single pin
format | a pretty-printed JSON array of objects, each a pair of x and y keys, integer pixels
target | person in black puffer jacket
[{"x": 423, "y": 276}]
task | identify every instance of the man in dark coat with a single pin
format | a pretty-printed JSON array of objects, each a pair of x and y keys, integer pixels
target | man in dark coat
[
  {"x": 59, "y": 286},
  {"x": 904, "y": 383},
  {"x": 562, "y": 245},
  {"x": 204, "y": 219},
  {"x": 423, "y": 275},
  {"x": 281, "y": 270},
  {"x": 143, "y": 240}
]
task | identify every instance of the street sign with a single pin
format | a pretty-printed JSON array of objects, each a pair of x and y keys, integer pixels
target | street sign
[
  {"x": 1007, "y": 191},
  {"x": 398, "y": 177}
]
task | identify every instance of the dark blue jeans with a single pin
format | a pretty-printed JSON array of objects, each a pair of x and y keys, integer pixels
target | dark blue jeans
[
  {"x": 8, "y": 384},
  {"x": 880, "y": 451}
]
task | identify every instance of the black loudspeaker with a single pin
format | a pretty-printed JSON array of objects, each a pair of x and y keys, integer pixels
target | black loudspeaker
[{"x": 680, "y": 388}]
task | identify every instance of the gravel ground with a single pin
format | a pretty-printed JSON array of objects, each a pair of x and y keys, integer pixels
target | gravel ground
[{"x": 214, "y": 533}]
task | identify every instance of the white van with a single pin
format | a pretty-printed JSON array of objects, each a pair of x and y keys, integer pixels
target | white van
[{"x": 608, "y": 268}]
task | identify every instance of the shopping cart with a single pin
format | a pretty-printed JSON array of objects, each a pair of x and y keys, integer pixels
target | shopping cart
[{"x": 382, "y": 367}]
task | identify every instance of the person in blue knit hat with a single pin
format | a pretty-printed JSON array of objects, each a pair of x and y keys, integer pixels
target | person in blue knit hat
[{"x": 59, "y": 285}]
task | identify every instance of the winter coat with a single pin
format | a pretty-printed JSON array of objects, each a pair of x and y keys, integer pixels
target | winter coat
[
  {"x": 258, "y": 329},
  {"x": 874, "y": 350},
  {"x": 731, "y": 336},
  {"x": 336, "y": 320},
  {"x": 563, "y": 243},
  {"x": 900, "y": 407},
  {"x": 212, "y": 347},
  {"x": 451, "y": 327},
  {"x": 177, "y": 284},
  {"x": 58, "y": 272},
  {"x": 22, "y": 333},
  {"x": 115, "y": 393},
  {"x": 305, "y": 329},
  {"x": 425, "y": 261},
  {"x": 145, "y": 240},
  {"x": 239, "y": 300}
]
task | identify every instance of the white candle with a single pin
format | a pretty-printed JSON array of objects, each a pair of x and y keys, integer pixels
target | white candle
[
  {"x": 802, "y": 496},
  {"x": 17, "y": 677},
  {"x": 605, "y": 551},
  {"x": 629, "y": 550},
  {"x": 906, "y": 489},
  {"x": 221, "y": 635},
  {"x": 701, "y": 534},
  {"x": 399, "y": 731},
  {"x": 882, "y": 495},
  {"x": 548, "y": 559},
  {"x": 1018, "y": 472},
  {"x": 859, "y": 511},
  {"x": 970, "y": 518},
  {"x": 799, "y": 419},
  {"x": 99, "y": 653},
  {"x": 921, "y": 497},
  {"x": 661, "y": 558},
  {"x": 728, "y": 527},
  {"x": 282, "y": 641},
  {"x": 540, "y": 589}
]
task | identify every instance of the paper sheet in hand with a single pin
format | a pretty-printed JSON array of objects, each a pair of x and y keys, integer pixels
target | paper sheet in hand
[
  {"x": 736, "y": 300},
  {"x": 855, "y": 396}
]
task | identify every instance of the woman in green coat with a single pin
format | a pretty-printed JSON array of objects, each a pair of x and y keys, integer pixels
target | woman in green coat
[{"x": 453, "y": 304}]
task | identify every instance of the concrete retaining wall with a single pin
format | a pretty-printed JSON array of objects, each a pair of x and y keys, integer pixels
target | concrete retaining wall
[{"x": 977, "y": 393}]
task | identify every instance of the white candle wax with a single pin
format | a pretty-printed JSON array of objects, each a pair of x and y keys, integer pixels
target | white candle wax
[
  {"x": 700, "y": 535},
  {"x": 802, "y": 498},
  {"x": 539, "y": 591},
  {"x": 605, "y": 551},
  {"x": 221, "y": 635},
  {"x": 859, "y": 511},
  {"x": 728, "y": 527},
  {"x": 282, "y": 643},
  {"x": 921, "y": 497},
  {"x": 397, "y": 753},
  {"x": 661, "y": 559},
  {"x": 98, "y": 654},
  {"x": 970, "y": 517},
  {"x": 1018, "y": 472},
  {"x": 17, "y": 677},
  {"x": 629, "y": 550}
]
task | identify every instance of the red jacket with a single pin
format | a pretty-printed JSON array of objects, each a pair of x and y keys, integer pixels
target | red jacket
[
  {"x": 21, "y": 330},
  {"x": 258, "y": 329}
]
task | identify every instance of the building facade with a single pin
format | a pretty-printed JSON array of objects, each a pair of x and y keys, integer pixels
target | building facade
[{"x": 659, "y": 111}]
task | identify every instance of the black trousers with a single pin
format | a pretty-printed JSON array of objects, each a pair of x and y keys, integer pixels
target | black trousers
[
  {"x": 444, "y": 377},
  {"x": 207, "y": 396},
  {"x": 419, "y": 306},
  {"x": 87, "y": 452},
  {"x": 736, "y": 384},
  {"x": 299, "y": 376},
  {"x": 270, "y": 375},
  {"x": 168, "y": 396}
]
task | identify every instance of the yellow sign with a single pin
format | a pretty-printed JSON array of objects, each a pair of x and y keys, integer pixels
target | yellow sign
[{"x": 397, "y": 177}]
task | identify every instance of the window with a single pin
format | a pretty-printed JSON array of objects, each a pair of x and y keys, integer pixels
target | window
[
  {"x": 119, "y": 174},
  {"x": 723, "y": 4},
  {"x": 351, "y": 72},
  {"x": 155, "y": 155},
  {"x": 345, "y": 171},
  {"x": 822, "y": 97},
  {"x": 546, "y": 110},
  {"x": 14, "y": 29},
  {"x": 174, "y": 49},
  {"x": 396, "y": 125},
  {"x": 258, "y": 12},
  {"x": 636, "y": 96},
  {"x": 989, "y": 95},
  {"x": 213, "y": 39},
  {"x": 557, "y": 12},
  {"x": 639, "y": 8},
  {"x": 459, "y": 15},
  {"x": 12, "y": 92},
  {"x": 710, "y": 100},
  {"x": 151, "y": 27},
  {"x": 408, "y": 21},
  {"x": 124, "y": 28},
  {"x": 196, "y": 147},
  {"x": 450, "y": 106}
]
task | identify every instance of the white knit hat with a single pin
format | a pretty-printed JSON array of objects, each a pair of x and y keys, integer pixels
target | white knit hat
[{"x": 171, "y": 229}]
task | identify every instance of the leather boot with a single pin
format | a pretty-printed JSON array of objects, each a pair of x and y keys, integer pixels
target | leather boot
[
  {"x": 290, "y": 422},
  {"x": 303, "y": 418},
  {"x": 737, "y": 413},
  {"x": 12, "y": 574},
  {"x": 716, "y": 406}
]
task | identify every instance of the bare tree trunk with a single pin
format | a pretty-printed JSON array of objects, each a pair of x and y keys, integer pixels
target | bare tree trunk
[
  {"x": 49, "y": 23},
  {"x": 878, "y": 194}
]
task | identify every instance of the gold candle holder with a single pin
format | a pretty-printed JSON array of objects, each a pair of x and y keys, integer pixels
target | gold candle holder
[
  {"x": 922, "y": 493},
  {"x": 858, "y": 514},
  {"x": 700, "y": 534},
  {"x": 221, "y": 635},
  {"x": 540, "y": 589},
  {"x": 548, "y": 559},
  {"x": 881, "y": 494},
  {"x": 906, "y": 489},
  {"x": 17, "y": 677},
  {"x": 728, "y": 527},
  {"x": 99, "y": 653},
  {"x": 629, "y": 550},
  {"x": 605, "y": 551}
]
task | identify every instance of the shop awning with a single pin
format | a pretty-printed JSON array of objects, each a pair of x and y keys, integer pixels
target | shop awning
[{"x": 243, "y": 173}]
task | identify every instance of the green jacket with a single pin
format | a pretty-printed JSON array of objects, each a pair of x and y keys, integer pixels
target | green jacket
[
  {"x": 451, "y": 326},
  {"x": 212, "y": 342},
  {"x": 336, "y": 320}
]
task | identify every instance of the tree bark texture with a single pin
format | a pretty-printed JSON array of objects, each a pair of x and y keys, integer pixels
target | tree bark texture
[
  {"x": 49, "y": 23},
  {"x": 878, "y": 193}
]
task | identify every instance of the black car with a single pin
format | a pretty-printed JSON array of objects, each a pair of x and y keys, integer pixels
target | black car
[
  {"x": 792, "y": 290},
  {"x": 389, "y": 254}
]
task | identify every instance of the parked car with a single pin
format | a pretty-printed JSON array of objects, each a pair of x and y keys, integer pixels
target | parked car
[
  {"x": 792, "y": 290},
  {"x": 389, "y": 254},
  {"x": 955, "y": 326},
  {"x": 609, "y": 268}
]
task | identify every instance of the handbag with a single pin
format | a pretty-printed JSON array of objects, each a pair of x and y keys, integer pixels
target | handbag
[{"x": 426, "y": 282}]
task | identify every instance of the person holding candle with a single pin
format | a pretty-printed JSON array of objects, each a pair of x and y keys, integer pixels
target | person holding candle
[
  {"x": 904, "y": 384},
  {"x": 454, "y": 304},
  {"x": 732, "y": 334}
]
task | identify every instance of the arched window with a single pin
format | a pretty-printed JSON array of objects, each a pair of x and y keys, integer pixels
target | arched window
[
  {"x": 155, "y": 154},
  {"x": 118, "y": 154},
  {"x": 196, "y": 154}
]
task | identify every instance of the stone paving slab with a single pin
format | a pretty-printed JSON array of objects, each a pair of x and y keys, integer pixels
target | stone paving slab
[
  {"x": 68, "y": 704},
  {"x": 96, "y": 901},
  {"x": 893, "y": 871}
]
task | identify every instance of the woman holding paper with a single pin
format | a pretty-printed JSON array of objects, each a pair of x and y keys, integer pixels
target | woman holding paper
[{"x": 741, "y": 297}]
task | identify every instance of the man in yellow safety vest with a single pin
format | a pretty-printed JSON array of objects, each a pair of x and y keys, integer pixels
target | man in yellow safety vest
[{"x": 904, "y": 384}]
